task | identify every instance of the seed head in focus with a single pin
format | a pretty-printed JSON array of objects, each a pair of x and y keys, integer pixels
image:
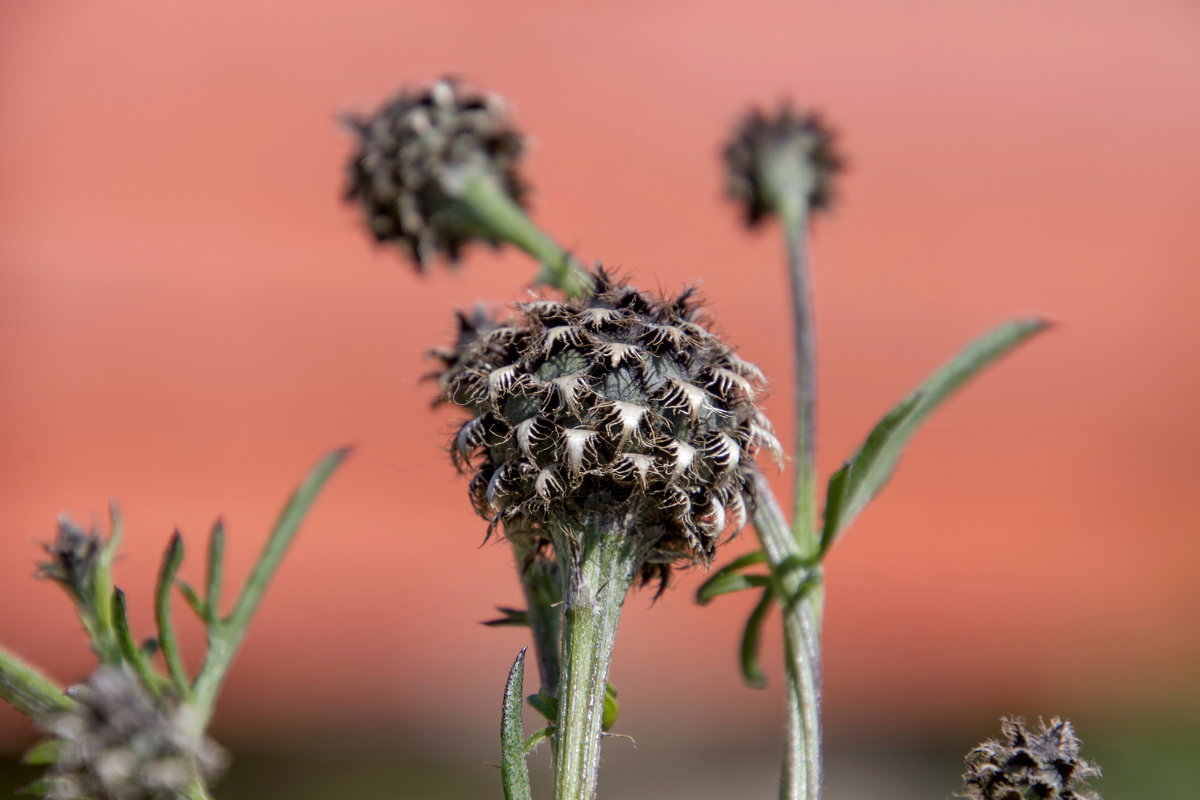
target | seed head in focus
[
  {"x": 1024, "y": 764},
  {"x": 122, "y": 744},
  {"x": 412, "y": 156},
  {"x": 623, "y": 402},
  {"x": 773, "y": 161}
]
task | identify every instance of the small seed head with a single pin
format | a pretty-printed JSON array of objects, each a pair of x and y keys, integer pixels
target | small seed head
[
  {"x": 1029, "y": 765},
  {"x": 414, "y": 152},
  {"x": 622, "y": 403},
  {"x": 74, "y": 559},
  {"x": 120, "y": 744},
  {"x": 775, "y": 159}
]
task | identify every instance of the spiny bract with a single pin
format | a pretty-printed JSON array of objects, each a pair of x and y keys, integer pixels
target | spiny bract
[
  {"x": 759, "y": 144},
  {"x": 404, "y": 169},
  {"x": 621, "y": 402},
  {"x": 1024, "y": 764}
]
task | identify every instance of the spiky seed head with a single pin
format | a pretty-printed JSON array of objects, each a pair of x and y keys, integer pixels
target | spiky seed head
[
  {"x": 413, "y": 152},
  {"x": 622, "y": 402},
  {"x": 1024, "y": 764},
  {"x": 74, "y": 559},
  {"x": 121, "y": 744},
  {"x": 771, "y": 158}
]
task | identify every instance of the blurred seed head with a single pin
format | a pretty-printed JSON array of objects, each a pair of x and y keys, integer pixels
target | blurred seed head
[
  {"x": 74, "y": 559},
  {"x": 1028, "y": 765},
  {"x": 771, "y": 155},
  {"x": 413, "y": 151},
  {"x": 623, "y": 403},
  {"x": 119, "y": 744}
]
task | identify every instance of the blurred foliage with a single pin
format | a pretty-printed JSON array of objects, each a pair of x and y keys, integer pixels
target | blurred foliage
[{"x": 1141, "y": 758}]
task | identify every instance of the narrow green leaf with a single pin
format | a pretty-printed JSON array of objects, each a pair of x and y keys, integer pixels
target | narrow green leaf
[
  {"x": 514, "y": 772},
  {"x": 167, "y": 641},
  {"x": 867, "y": 471},
  {"x": 131, "y": 653},
  {"x": 193, "y": 600},
  {"x": 27, "y": 690},
  {"x": 751, "y": 670},
  {"x": 611, "y": 708},
  {"x": 517, "y": 617},
  {"x": 727, "y": 584},
  {"x": 214, "y": 571},
  {"x": 44, "y": 752},
  {"x": 42, "y": 787},
  {"x": 705, "y": 593},
  {"x": 537, "y": 737}
]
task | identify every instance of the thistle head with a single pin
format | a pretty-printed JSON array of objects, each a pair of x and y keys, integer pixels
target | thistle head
[
  {"x": 777, "y": 163},
  {"x": 1029, "y": 765},
  {"x": 411, "y": 158},
  {"x": 74, "y": 558},
  {"x": 121, "y": 744},
  {"x": 621, "y": 403}
]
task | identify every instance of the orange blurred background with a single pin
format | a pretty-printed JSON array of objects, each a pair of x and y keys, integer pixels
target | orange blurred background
[{"x": 190, "y": 317}]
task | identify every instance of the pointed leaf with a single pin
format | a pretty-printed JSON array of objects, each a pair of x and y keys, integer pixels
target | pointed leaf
[
  {"x": 728, "y": 583},
  {"x": 706, "y": 592},
  {"x": 44, "y": 752},
  {"x": 868, "y": 470},
  {"x": 751, "y": 670},
  {"x": 537, "y": 737},
  {"x": 514, "y": 772},
  {"x": 214, "y": 571},
  {"x": 172, "y": 559},
  {"x": 517, "y": 617},
  {"x": 611, "y": 708}
]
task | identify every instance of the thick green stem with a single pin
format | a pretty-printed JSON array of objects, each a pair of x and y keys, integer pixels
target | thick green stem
[
  {"x": 804, "y": 517},
  {"x": 502, "y": 219},
  {"x": 29, "y": 691},
  {"x": 598, "y": 569}
]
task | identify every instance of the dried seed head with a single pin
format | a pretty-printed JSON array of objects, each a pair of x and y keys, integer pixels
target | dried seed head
[
  {"x": 1023, "y": 765},
  {"x": 74, "y": 558},
  {"x": 119, "y": 744},
  {"x": 622, "y": 403},
  {"x": 772, "y": 157},
  {"x": 411, "y": 155}
]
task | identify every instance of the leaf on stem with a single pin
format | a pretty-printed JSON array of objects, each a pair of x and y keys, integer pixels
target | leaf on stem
[
  {"x": 728, "y": 575},
  {"x": 130, "y": 651},
  {"x": 751, "y": 670},
  {"x": 862, "y": 477},
  {"x": 172, "y": 559},
  {"x": 514, "y": 772},
  {"x": 215, "y": 571},
  {"x": 517, "y": 617}
]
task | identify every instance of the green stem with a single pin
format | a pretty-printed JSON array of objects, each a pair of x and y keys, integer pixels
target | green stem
[
  {"x": 804, "y": 514},
  {"x": 502, "y": 219},
  {"x": 29, "y": 691},
  {"x": 598, "y": 568},
  {"x": 798, "y": 583},
  {"x": 225, "y": 635}
]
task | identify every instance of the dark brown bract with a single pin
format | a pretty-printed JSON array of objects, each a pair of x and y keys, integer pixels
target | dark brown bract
[
  {"x": 767, "y": 151},
  {"x": 403, "y": 170},
  {"x": 1026, "y": 764},
  {"x": 622, "y": 403}
]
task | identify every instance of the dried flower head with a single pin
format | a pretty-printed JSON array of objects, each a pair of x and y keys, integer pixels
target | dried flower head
[
  {"x": 121, "y": 744},
  {"x": 1025, "y": 765},
  {"x": 622, "y": 403},
  {"x": 780, "y": 158},
  {"x": 413, "y": 154},
  {"x": 74, "y": 558}
]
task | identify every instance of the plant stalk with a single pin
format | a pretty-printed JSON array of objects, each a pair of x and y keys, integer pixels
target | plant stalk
[
  {"x": 502, "y": 219},
  {"x": 600, "y": 567}
]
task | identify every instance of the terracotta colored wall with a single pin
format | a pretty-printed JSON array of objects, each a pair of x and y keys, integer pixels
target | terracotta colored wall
[{"x": 189, "y": 317}]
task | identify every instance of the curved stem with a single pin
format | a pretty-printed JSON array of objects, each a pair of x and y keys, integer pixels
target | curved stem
[{"x": 502, "y": 219}]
